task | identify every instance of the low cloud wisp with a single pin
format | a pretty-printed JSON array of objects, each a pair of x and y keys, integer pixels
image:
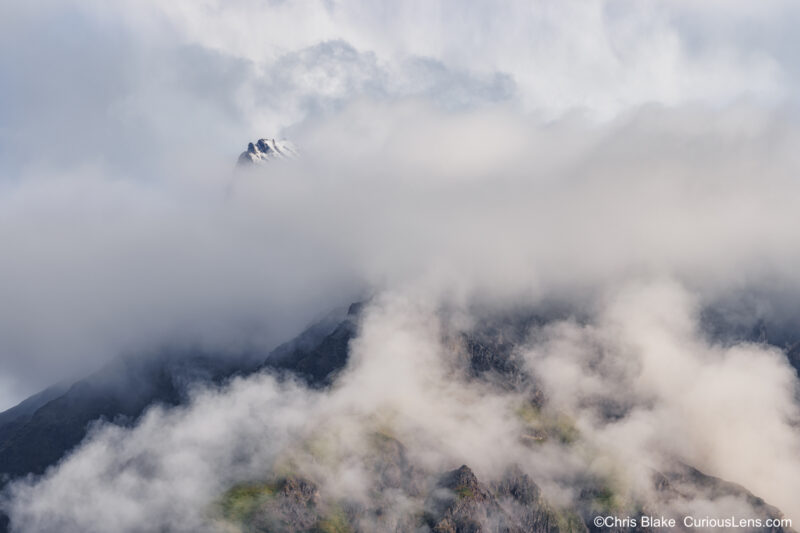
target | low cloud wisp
[{"x": 635, "y": 227}]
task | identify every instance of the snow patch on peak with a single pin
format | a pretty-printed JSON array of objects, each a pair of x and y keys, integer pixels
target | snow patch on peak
[{"x": 265, "y": 150}]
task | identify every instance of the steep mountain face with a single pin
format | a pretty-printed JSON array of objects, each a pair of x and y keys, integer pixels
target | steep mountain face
[
  {"x": 265, "y": 150},
  {"x": 316, "y": 359},
  {"x": 40, "y": 431},
  {"x": 20, "y": 414},
  {"x": 119, "y": 392}
]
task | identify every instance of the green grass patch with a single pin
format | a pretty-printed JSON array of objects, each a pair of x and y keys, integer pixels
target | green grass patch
[
  {"x": 545, "y": 425},
  {"x": 239, "y": 502},
  {"x": 334, "y": 522},
  {"x": 464, "y": 492},
  {"x": 605, "y": 499}
]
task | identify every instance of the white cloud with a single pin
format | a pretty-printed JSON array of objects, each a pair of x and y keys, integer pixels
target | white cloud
[
  {"x": 729, "y": 411},
  {"x": 474, "y": 201},
  {"x": 452, "y": 152}
]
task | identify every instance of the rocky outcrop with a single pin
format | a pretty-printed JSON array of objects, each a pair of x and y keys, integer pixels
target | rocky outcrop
[
  {"x": 292, "y": 508},
  {"x": 457, "y": 502},
  {"x": 460, "y": 503},
  {"x": 522, "y": 499}
]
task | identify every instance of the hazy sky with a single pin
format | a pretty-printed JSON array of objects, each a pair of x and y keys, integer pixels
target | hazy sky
[
  {"x": 130, "y": 83},
  {"x": 120, "y": 122}
]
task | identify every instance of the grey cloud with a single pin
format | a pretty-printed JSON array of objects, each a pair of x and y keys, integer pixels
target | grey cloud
[
  {"x": 327, "y": 76},
  {"x": 114, "y": 134},
  {"x": 475, "y": 202},
  {"x": 687, "y": 401},
  {"x": 437, "y": 171},
  {"x": 81, "y": 89}
]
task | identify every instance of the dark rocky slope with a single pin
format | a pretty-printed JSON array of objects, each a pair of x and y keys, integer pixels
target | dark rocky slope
[{"x": 37, "y": 433}]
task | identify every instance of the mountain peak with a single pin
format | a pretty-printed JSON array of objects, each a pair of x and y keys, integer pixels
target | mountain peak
[{"x": 265, "y": 150}]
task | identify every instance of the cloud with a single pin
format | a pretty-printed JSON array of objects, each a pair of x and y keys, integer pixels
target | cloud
[
  {"x": 636, "y": 163},
  {"x": 252, "y": 427},
  {"x": 476, "y": 202},
  {"x": 147, "y": 87},
  {"x": 158, "y": 476},
  {"x": 650, "y": 389},
  {"x": 638, "y": 381},
  {"x": 605, "y": 57}
]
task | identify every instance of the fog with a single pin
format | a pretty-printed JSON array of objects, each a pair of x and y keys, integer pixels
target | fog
[
  {"x": 730, "y": 411},
  {"x": 635, "y": 163},
  {"x": 639, "y": 224},
  {"x": 473, "y": 202},
  {"x": 120, "y": 123}
]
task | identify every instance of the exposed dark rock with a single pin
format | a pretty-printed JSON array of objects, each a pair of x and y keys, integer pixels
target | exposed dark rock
[
  {"x": 486, "y": 356},
  {"x": 319, "y": 361},
  {"x": 15, "y": 418},
  {"x": 40, "y": 431},
  {"x": 491, "y": 347},
  {"x": 119, "y": 392},
  {"x": 461, "y": 503},
  {"x": 52, "y": 423},
  {"x": 292, "y": 509}
]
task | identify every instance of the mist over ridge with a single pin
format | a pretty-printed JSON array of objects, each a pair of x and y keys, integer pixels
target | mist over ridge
[
  {"x": 477, "y": 268},
  {"x": 617, "y": 243}
]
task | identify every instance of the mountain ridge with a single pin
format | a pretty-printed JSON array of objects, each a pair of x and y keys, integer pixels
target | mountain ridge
[{"x": 315, "y": 357}]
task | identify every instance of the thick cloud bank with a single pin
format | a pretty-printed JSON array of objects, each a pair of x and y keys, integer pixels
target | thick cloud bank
[
  {"x": 632, "y": 165},
  {"x": 120, "y": 120},
  {"x": 729, "y": 411},
  {"x": 637, "y": 225},
  {"x": 474, "y": 202}
]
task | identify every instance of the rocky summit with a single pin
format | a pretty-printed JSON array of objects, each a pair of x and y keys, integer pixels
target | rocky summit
[{"x": 264, "y": 150}]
